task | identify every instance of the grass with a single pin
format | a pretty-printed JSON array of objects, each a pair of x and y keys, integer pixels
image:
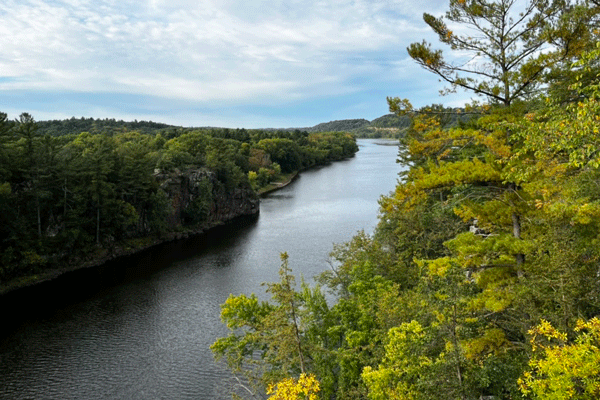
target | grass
[{"x": 282, "y": 181}]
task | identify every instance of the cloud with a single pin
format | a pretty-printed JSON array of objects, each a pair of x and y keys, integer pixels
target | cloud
[
  {"x": 206, "y": 40},
  {"x": 209, "y": 52}
]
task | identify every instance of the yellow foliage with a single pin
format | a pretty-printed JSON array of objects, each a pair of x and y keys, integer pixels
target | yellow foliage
[
  {"x": 439, "y": 266},
  {"x": 305, "y": 387},
  {"x": 397, "y": 375},
  {"x": 564, "y": 371}
]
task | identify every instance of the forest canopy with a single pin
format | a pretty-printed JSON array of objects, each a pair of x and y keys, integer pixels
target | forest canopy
[
  {"x": 481, "y": 280},
  {"x": 69, "y": 196}
]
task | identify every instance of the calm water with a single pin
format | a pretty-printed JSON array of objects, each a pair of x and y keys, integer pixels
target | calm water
[{"x": 141, "y": 328}]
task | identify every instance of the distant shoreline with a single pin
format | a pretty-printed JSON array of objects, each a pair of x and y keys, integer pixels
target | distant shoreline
[
  {"x": 272, "y": 187},
  {"x": 291, "y": 177}
]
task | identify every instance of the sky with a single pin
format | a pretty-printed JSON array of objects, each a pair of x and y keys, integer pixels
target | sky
[{"x": 224, "y": 63}]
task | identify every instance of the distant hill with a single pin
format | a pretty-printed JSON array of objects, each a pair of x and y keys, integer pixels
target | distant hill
[
  {"x": 110, "y": 126},
  {"x": 386, "y": 126},
  {"x": 345, "y": 125},
  {"x": 389, "y": 125}
]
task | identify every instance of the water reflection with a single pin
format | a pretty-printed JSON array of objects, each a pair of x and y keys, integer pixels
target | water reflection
[{"x": 141, "y": 328}]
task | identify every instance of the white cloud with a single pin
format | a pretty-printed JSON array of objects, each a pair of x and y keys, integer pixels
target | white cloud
[
  {"x": 210, "y": 51},
  {"x": 69, "y": 35}
]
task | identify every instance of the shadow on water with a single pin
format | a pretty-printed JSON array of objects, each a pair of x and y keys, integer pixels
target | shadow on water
[
  {"x": 279, "y": 196},
  {"x": 140, "y": 327},
  {"x": 47, "y": 299}
]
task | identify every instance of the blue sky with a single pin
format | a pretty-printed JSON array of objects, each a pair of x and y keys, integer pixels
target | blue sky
[{"x": 228, "y": 63}]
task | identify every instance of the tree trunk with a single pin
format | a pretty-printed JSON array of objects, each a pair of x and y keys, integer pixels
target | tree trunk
[
  {"x": 457, "y": 351},
  {"x": 519, "y": 258},
  {"x": 297, "y": 336},
  {"x": 39, "y": 217},
  {"x": 65, "y": 201},
  {"x": 98, "y": 225}
]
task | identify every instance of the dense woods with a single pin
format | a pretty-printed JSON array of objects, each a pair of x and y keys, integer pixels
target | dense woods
[
  {"x": 388, "y": 126},
  {"x": 481, "y": 280},
  {"x": 69, "y": 196}
]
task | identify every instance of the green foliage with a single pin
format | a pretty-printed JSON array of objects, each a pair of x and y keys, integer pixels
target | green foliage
[
  {"x": 98, "y": 126},
  {"x": 339, "y": 126},
  {"x": 285, "y": 152},
  {"x": 64, "y": 196},
  {"x": 511, "y": 46},
  {"x": 402, "y": 367},
  {"x": 564, "y": 371},
  {"x": 160, "y": 209},
  {"x": 266, "y": 342},
  {"x": 492, "y": 228}
]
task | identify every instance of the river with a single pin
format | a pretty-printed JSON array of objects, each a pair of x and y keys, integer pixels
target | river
[{"x": 141, "y": 328}]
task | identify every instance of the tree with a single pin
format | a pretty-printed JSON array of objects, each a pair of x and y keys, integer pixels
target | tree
[
  {"x": 26, "y": 129},
  {"x": 6, "y": 139},
  {"x": 577, "y": 31},
  {"x": 559, "y": 160},
  {"x": 470, "y": 282},
  {"x": 526, "y": 182},
  {"x": 404, "y": 366},
  {"x": 305, "y": 387},
  {"x": 367, "y": 306},
  {"x": 136, "y": 184},
  {"x": 94, "y": 162},
  {"x": 506, "y": 46},
  {"x": 7, "y": 209},
  {"x": 564, "y": 370},
  {"x": 285, "y": 152},
  {"x": 267, "y": 339},
  {"x": 285, "y": 320}
]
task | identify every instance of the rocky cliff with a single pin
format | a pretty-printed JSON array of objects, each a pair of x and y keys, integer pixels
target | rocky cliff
[
  {"x": 198, "y": 201},
  {"x": 198, "y": 198}
]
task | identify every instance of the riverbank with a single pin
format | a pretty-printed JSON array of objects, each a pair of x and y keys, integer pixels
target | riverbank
[
  {"x": 285, "y": 180},
  {"x": 143, "y": 326},
  {"x": 101, "y": 256}
]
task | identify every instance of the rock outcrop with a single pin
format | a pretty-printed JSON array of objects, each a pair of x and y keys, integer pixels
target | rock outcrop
[
  {"x": 197, "y": 195},
  {"x": 198, "y": 202}
]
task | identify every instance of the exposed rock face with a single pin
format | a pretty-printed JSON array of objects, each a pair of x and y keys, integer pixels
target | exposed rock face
[
  {"x": 227, "y": 206},
  {"x": 198, "y": 191},
  {"x": 194, "y": 191}
]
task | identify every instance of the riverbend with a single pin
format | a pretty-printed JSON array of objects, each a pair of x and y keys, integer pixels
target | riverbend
[{"x": 141, "y": 327}]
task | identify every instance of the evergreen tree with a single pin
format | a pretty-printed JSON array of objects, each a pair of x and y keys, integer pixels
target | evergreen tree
[{"x": 506, "y": 45}]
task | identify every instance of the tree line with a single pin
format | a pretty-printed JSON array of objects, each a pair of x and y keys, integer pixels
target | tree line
[
  {"x": 481, "y": 280},
  {"x": 68, "y": 197}
]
